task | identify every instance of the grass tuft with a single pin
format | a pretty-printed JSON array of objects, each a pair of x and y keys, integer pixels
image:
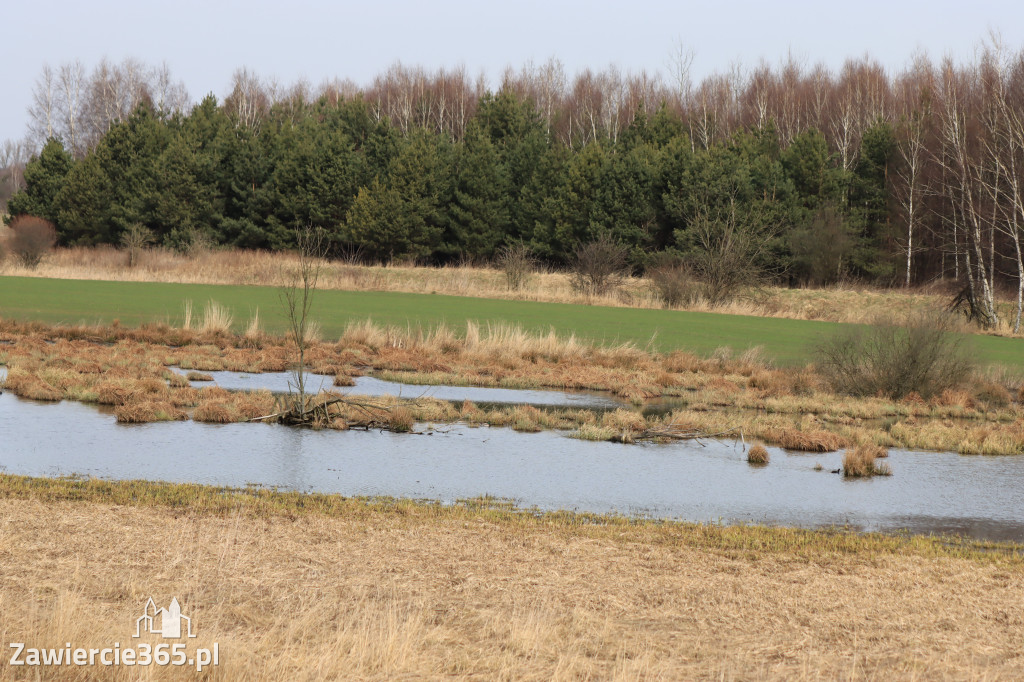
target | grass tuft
[
  {"x": 757, "y": 454},
  {"x": 216, "y": 319},
  {"x": 859, "y": 462},
  {"x": 148, "y": 411},
  {"x": 400, "y": 419}
]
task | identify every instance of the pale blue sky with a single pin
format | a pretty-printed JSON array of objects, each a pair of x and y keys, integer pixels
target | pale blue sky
[{"x": 204, "y": 42}]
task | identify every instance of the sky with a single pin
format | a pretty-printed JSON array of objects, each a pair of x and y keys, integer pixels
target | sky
[{"x": 204, "y": 42}]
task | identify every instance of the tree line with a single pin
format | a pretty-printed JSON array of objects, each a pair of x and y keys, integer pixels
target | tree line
[{"x": 893, "y": 178}]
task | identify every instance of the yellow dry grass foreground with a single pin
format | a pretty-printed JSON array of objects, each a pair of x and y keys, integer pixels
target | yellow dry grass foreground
[
  {"x": 233, "y": 266},
  {"x": 320, "y": 588}
]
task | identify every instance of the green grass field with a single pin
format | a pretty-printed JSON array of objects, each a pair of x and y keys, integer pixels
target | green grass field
[{"x": 786, "y": 341}]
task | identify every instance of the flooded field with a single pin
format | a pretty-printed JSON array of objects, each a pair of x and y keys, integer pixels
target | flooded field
[{"x": 929, "y": 493}]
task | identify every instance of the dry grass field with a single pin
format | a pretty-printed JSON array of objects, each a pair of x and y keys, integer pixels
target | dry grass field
[
  {"x": 835, "y": 304},
  {"x": 382, "y": 591}
]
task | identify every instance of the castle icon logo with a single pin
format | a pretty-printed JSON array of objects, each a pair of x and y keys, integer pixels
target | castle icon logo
[{"x": 168, "y": 622}]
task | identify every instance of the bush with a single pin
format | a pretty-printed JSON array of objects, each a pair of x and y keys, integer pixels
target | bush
[
  {"x": 671, "y": 279},
  {"x": 31, "y": 239},
  {"x": 188, "y": 241},
  {"x": 517, "y": 261},
  {"x": 822, "y": 248},
  {"x": 135, "y": 239},
  {"x": 922, "y": 355},
  {"x": 727, "y": 250},
  {"x": 598, "y": 266}
]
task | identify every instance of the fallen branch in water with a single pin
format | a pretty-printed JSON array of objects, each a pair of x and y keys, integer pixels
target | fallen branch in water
[
  {"x": 672, "y": 432},
  {"x": 319, "y": 415}
]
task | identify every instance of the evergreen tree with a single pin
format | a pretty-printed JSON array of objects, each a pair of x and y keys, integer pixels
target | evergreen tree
[
  {"x": 479, "y": 213},
  {"x": 45, "y": 175}
]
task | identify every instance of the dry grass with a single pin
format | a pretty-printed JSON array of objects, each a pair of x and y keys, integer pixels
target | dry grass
[
  {"x": 148, "y": 411},
  {"x": 216, "y": 319},
  {"x": 757, "y": 454},
  {"x": 841, "y": 303},
  {"x": 403, "y": 591},
  {"x": 787, "y": 408},
  {"x": 859, "y": 462},
  {"x": 400, "y": 419}
]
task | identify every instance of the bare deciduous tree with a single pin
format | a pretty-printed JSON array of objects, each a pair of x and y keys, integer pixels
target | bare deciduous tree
[
  {"x": 169, "y": 95},
  {"x": 598, "y": 266},
  {"x": 71, "y": 87},
  {"x": 135, "y": 239},
  {"x": 297, "y": 296},
  {"x": 43, "y": 111},
  {"x": 728, "y": 249},
  {"x": 914, "y": 90},
  {"x": 248, "y": 100}
]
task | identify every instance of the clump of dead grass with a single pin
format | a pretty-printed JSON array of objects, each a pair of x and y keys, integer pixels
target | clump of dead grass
[
  {"x": 28, "y": 385},
  {"x": 400, "y": 419},
  {"x": 217, "y": 319},
  {"x": 216, "y": 412},
  {"x": 757, "y": 454},
  {"x": 859, "y": 462},
  {"x": 146, "y": 411}
]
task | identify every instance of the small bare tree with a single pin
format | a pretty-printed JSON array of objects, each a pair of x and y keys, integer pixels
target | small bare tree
[
  {"x": 728, "y": 250},
  {"x": 135, "y": 240},
  {"x": 517, "y": 262},
  {"x": 598, "y": 266},
  {"x": 297, "y": 295}
]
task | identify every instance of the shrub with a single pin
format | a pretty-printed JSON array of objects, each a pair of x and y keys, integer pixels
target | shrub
[
  {"x": 671, "y": 280},
  {"x": 517, "y": 262},
  {"x": 727, "y": 250},
  {"x": 822, "y": 247},
  {"x": 757, "y": 454},
  {"x": 135, "y": 239},
  {"x": 921, "y": 355},
  {"x": 188, "y": 241},
  {"x": 598, "y": 266},
  {"x": 31, "y": 239}
]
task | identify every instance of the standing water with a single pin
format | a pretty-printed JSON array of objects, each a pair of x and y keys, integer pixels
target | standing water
[
  {"x": 282, "y": 382},
  {"x": 929, "y": 493}
]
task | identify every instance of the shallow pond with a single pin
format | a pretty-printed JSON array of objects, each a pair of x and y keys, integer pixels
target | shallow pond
[
  {"x": 930, "y": 492},
  {"x": 281, "y": 382}
]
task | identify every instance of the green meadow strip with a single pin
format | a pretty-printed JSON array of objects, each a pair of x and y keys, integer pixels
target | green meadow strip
[{"x": 787, "y": 342}]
